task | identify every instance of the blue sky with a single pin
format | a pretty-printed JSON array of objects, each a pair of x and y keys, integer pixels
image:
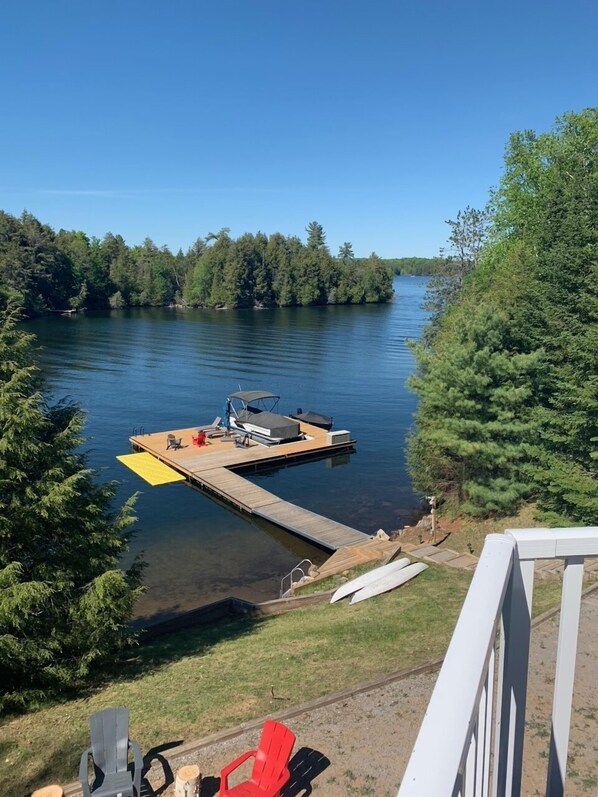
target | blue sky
[{"x": 378, "y": 119}]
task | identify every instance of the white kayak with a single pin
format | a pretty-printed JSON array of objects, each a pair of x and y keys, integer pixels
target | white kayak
[
  {"x": 368, "y": 578},
  {"x": 390, "y": 581}
]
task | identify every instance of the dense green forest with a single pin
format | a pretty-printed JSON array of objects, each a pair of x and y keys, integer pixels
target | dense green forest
[
  {"x": 507, "y": 373},
  {"x": 43, "y": 271}
]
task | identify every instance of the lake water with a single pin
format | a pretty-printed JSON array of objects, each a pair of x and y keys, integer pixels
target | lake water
[{"x": 165, "y": 369}]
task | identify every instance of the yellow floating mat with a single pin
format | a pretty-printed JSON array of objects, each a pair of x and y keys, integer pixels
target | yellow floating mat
[{"x": 151, "y": 469}]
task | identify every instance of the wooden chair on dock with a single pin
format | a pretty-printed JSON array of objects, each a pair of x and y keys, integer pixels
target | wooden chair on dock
[
  {"x": 199, "y": 439},
  {"x": 173, "y": 442}
]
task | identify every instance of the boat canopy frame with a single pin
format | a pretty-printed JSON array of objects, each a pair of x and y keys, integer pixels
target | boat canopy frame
[
  {"x": 249, "y": 396},
  {"x": 264, "y": 399}
]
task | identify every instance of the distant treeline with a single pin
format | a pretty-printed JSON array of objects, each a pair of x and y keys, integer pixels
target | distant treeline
[
  {"x": 44, "y": 271},
  {"x": 416, "y": 266}
]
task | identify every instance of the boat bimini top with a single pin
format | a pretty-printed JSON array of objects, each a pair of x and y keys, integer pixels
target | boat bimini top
[
  {"x": 251, "y": 396},
  {"x": 252, "y": 401}
]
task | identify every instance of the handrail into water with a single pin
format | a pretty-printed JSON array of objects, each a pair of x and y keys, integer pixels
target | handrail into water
[
  {"x": 460, "y": 708},
  {"x": 297, "y": 568}
]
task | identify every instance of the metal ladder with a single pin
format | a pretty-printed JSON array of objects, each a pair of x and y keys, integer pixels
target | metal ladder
[{"x": 285, "y": 593}]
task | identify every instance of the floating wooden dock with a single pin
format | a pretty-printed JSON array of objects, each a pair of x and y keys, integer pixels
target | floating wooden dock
[{"x": 212, "y": 468}]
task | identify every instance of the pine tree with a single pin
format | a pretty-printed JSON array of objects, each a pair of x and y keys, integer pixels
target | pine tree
[
  {"x": 316, "y": 237},
  {"x": 548, "y": 201},
  {"x": 541, "y": 264},
  {"x": 345, "y": 252},
  {"x": 64, "y": 604},
  {"x": 474, "y": 418}
]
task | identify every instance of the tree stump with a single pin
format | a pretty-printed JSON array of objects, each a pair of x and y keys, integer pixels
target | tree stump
[
  {"x": 188, "y": 781},
  {"x": 48, "y": 791}
]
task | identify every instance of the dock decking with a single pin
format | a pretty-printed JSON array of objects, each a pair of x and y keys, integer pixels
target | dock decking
[{"x": 212, "y": 467}]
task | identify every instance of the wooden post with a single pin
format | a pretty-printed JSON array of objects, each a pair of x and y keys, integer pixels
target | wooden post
[
  {"x": 432, "y": 500},
  {"x": 188, "y": 781},
  {"x": 48, "y": 791}
]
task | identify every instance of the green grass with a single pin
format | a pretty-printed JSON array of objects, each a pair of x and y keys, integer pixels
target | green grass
[
  {"x": 209, "y": 679},
  {"x": 213, "y": 678}
]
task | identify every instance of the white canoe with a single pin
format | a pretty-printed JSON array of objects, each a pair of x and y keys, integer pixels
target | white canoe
[
  {"x": 368, "y": 578},
  {"x": 389, "y": 582}
]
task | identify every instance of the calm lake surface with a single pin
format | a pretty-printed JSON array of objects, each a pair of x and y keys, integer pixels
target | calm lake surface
[{"x": 165, "y": 369}]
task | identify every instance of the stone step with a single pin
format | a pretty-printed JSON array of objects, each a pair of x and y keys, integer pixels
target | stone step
[
  {"x": 424, "y": 550},
  {"x": 464, "y": 560}
]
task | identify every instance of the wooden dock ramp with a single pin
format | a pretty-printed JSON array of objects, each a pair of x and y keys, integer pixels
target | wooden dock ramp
[
  {"x": 212, "y": 467},
  {"x": 253, "y": 499},
  {"x": 316, "y": 528}
]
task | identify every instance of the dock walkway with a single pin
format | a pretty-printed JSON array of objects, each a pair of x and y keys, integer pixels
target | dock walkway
[{"x": 212, "y": 468}]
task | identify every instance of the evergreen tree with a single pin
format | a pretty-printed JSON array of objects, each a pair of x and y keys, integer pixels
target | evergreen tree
[
  {"x": 547, "y": 204},
  {"x": 351, "y": 288},
  {"x": 280, "y": 254},
  {"x": 223, "y": 289},
  {"x": 262, "y": 276},
  {"x": 64, "y": 604},
  {"x": 541, "y": 264},
  {"x": 33, "y": 270},
  {"x": 345, "y": 252},
  {"x": 312, "y": 266},
  {"x": 474, "y": 418},
  {"x": 121, "y": 268},
  {"x": 377, "y": 280},
  {"x": 316, "y": 237},
  {"x": 180, "y": 269}
]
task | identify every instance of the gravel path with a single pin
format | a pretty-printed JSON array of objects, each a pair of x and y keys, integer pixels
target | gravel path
[{"x": 360, "y": 745}]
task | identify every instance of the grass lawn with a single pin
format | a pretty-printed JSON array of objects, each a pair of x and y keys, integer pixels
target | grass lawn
[{"x": 209, "y": 679}]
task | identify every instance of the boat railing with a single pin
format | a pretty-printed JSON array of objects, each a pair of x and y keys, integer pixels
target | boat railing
[
  {"x": 291, "y": 579},
  {"x": 482, "y": 755}
]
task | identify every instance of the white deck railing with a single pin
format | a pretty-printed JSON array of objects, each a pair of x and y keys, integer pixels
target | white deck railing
[{"x": 465, "y": 720}]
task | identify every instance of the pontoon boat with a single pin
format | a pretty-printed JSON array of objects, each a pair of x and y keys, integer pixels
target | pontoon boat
[{"x": 252, "y": 412}]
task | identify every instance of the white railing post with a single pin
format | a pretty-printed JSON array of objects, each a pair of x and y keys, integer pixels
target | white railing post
[
  {"x": 463, "y": 683},
  {"x": 565, "y": 673},
  {"x": 501, "y": 589},
  {"x": 485, "y": 731},
  {"x": 512, "y": 680},
  {"x": 572, "y": 545},
  {"x": 469, "y": 773}
]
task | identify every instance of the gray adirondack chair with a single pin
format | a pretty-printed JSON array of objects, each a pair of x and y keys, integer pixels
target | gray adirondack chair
[{"x": 109, "y": 750}]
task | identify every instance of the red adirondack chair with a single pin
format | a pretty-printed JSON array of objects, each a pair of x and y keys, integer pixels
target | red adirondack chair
[
  {"x": 199, "y": 439},
  {"x": 270, "y": 770}
]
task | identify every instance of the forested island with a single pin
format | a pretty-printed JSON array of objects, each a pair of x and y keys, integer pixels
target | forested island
[
  {"x": 42, "y": 271},
  {"x": 508, "y": 370},
  {"x": 417, "y": 266}
]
